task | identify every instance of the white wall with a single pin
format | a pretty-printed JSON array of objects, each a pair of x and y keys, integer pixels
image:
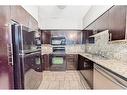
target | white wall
[
  {"x": 60, "y": 23},
  {"x": 33, "y": 10},
  {"x": 93, "y": 13}
]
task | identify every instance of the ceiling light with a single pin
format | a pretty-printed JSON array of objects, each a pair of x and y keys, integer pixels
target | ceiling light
[{"x": 61, "y": 6}]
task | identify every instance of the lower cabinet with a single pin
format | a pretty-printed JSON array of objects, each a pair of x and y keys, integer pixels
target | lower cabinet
[
  {"x": 45, "y": 62},
  {"x": 94, "y": 76},
  {"x": 71, "y": 61},
  {"x": 105, "y": 80}
]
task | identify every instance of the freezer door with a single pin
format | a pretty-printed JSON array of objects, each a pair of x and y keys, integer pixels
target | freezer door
[{"x": 6, "y": 68}]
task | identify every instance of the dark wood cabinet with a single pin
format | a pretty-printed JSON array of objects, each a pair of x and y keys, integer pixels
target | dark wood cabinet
[
  {"x": 102, "y": 23},
  {"x": 85, "y": 36},
  {"x": 71, "y": 61},
  {"x": 45, "y": 62},
  {"x": 73, "y": 37},
  {"x": 117, "y": 22},
  {"x": 113, "y": 20},
  {"x": 46, "y": 37},
  {"x": 20, "y": 15}
]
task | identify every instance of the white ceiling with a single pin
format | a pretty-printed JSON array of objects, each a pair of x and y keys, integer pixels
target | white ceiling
[
  {"x": 66, "y": 12},
  {"x": 61, "y": 17}
]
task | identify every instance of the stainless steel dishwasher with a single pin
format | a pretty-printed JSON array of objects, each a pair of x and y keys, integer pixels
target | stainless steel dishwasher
[{"x": 105, "y": 79}]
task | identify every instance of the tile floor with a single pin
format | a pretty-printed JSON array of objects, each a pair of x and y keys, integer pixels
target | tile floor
[{"x": 64, "y": 80}]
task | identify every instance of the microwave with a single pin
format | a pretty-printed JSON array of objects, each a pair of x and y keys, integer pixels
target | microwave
[{"x": 58, "y": 41}]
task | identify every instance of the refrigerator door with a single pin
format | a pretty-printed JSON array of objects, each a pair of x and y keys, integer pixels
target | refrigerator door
[
  {"x": 6, "y": 66},
  {"x": 18, "y": 80}
]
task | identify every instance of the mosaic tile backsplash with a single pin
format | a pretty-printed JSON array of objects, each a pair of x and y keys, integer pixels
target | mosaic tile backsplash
[{"x": 112, "y": 50}]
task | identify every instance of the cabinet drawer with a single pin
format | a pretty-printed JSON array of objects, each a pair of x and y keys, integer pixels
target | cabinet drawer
[{"x": 70, "y": 59}]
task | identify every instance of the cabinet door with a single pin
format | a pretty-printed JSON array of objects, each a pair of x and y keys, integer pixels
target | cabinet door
[
  {"x": 102, "y": 22},
  {"x": 33, "y": 24},
  {"x": 46, "y": 62},
  {"x": 20, "y": 15},
  {"x": 71, "y": 60},
  {"x": 46, "y": 37},
  {"x": 117, "y": 22},
  {"x": 85, "y": 35}
]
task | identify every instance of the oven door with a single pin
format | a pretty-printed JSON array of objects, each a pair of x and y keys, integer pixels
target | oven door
[{"x": 58, "y": 62}]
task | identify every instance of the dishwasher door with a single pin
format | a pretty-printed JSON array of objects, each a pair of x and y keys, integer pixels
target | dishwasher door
[
  {"x": 103, "y": 79},
  {"x": 87, "y": 71}
]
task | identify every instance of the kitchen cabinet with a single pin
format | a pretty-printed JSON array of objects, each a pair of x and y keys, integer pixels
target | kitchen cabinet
[
  {"x": 113, "y": 20},
  {"x": 73, "y": 37},
  {"x": 46, "y": 37},
  {"x": 117, "y": 22},
  {"x": 71, "y": 61},
  {"x": 45, "y": 62},
  {"x": 33, "y": 24},
  {"x": 102, "y": 23},
  {"x": 104, "y": 79},
  {"x": 20, "y": 15},
  {"x": 85, "y": 36}
]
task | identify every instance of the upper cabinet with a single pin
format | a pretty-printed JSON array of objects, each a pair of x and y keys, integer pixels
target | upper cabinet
[
  {"x": 85, "y": 36},
  {"x": 33, "y": 24},
  {"x": 102, "y": 22},
  {"x": 113, "y": 20},
  {"x": 20, "y": 15},
  {"x": 46, "y": 37},
  {"x": 117, "y": 22},
  {"x": 4, "y": 15}
]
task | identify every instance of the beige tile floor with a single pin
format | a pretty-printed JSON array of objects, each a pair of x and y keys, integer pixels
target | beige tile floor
[{"x": 68, "y": 80}]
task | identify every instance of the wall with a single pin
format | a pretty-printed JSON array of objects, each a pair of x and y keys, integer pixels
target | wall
[
  {"x": 112, "y": 50},
  {"x": 60, "y": 23},
  {"x": 93, "y": 13},
  {"x": 33, "y": 10}
]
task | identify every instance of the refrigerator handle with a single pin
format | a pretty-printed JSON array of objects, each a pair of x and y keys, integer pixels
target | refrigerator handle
[{"x": 10, "y": 54}]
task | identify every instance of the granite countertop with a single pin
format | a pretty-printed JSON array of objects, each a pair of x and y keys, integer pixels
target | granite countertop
[{"x": 114, "y": 65}]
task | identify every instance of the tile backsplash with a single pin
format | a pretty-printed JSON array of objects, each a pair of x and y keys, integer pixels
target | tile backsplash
[
  {"x": 112, "y": 50},
  {"x": 46, "y": 49},
  {"x": 75, "y": 48}
]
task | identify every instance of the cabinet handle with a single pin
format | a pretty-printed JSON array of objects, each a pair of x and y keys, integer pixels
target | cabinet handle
[{"x": 110, "y": 36}]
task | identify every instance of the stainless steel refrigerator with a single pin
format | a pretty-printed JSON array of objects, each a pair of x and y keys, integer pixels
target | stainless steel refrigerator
[{"x": 26, "y": 56}]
